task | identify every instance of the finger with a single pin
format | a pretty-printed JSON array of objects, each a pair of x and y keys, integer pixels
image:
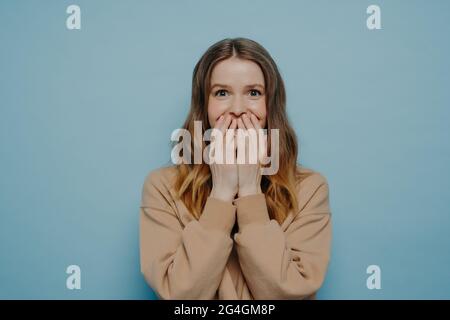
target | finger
[
  {"x": 230, "y": 143},
  {"x": 241, "y": 140},
  {"x": 219, "y": 122},
  {"x": 233, "y": 124},
  {"x": 240, "y": 124},
  {"x": 253, "y": 137},
  {"x": 262, "y": 147},
  {"x": 231, "y": 129},
  {"x": 255, "y": 121},
  {"x": 226, "y": 123},
  {"x": 217, "y": 127},
  {"x": 247, "y": 122},
  {"x": 234, "y": 127}
]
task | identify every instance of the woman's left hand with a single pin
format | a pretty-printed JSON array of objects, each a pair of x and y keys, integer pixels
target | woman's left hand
[{"x": 249, "y": 174}]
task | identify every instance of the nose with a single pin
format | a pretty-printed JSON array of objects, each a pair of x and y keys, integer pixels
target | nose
[{"x": 237, "y": 108}]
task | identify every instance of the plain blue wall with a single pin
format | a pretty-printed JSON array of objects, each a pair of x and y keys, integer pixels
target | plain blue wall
[{"x": 86, "y": 114}]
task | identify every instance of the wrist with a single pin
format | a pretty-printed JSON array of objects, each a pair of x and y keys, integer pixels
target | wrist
[
  {"x": 250, "y": 190},
  {"x": 224, "y": 195}
]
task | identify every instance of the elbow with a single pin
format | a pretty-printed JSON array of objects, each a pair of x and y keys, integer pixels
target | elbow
[
  {"x": 294, "y": 286},
  {"x": 305, "y": 289},
  {"x": 310, "y": 279},
  {"x": 183, "y": 292},
  {"x": 310, "y": 289},
  {"x": 168, "y": 288}
]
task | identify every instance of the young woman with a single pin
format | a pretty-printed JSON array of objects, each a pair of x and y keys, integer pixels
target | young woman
[{"x": 225, "y": 231}]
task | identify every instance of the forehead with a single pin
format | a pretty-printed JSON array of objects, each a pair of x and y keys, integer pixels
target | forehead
[{"x": 236, "y": 71}]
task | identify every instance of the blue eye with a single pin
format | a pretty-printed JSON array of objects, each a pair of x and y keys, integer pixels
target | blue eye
[
  {"x": 255, "y": 93},
  {"x": 220, "y": 93}
]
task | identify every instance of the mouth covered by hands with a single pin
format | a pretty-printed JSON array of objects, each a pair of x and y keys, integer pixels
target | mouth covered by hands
[{"x": 239, "y": 145}]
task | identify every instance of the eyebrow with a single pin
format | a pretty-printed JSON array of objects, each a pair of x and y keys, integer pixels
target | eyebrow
[{"x": 227, "y": 86}]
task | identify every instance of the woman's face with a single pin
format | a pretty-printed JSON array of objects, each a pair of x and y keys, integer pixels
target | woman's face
[{"x": 237, "y": 87}]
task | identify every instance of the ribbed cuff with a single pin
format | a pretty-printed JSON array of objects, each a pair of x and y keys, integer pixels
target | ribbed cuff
[
  {"x": 252, "y": 208},
  {"x": 218, "y": 214}
]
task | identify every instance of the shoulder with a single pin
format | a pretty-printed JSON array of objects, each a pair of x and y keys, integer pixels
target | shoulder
[
  {"x": 309, "y": 177},
  {"x": 159, "y": 182},
  {"x": 162, "y": 176},
  {"x": 312, "y": 188}
]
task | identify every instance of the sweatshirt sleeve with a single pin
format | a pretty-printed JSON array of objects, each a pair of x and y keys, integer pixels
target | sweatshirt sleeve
[
  {"x": 177, "y": 262},
  {"x": 288, "y": 264}
]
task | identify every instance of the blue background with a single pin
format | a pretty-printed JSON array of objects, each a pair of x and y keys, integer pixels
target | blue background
[{"x": 86, "y": 114}]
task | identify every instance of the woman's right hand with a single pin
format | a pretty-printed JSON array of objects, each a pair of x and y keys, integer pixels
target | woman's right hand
[{"x": 225, "y": 176}]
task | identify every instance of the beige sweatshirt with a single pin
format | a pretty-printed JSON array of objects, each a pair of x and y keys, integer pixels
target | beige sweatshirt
[{"x": 186, "y": 258}]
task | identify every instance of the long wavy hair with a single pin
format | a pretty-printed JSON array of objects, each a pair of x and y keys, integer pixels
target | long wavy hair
[{"x": 194, "y": 182}]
